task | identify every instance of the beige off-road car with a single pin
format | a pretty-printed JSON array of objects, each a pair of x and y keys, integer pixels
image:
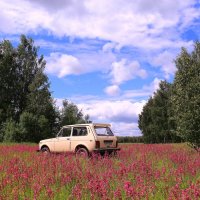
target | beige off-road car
[{"x": 83, "y": 139}]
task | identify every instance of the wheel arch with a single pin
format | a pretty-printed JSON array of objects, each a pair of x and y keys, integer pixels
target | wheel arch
[
  {"x": 81, "y": 146},
  {"x": 43, "y": 146}
]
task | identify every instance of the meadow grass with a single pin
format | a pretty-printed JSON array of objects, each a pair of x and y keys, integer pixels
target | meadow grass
[{"x": 139, "y": 171}]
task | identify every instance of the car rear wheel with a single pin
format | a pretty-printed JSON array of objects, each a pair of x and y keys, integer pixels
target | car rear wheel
[{"x": 82, "y": 152}]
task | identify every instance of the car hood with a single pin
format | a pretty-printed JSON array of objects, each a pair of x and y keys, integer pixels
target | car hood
[{"x": 48, "y": 140}]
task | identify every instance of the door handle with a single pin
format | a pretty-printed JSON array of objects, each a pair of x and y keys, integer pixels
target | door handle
[{"x": 68, "y": 139}]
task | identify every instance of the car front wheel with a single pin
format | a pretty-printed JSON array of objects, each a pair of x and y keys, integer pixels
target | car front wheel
[{"x": 45, "y": 150}]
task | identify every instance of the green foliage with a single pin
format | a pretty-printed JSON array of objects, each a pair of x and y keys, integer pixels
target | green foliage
[
  {"x": 35, "y": 128},
  {"x": 70, "y": 114},
  {"x": 156, "y": 120},
  {"x": 129, "y": 139},
  {"x": 25, "y": 99},
  {"x": 174, "y": 110},
  {"x": 12, "y": 131},
  {"x": 27, "y": 110},
  {"x": 8, "y": 78},
  {"x": 186, "y": 96}
]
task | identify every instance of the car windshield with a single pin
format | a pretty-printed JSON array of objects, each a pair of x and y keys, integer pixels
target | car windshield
[{"x": 103, "y": 131}]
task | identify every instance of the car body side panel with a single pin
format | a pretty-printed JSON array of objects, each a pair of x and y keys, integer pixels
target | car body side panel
[{"x": 62, "y": 144}]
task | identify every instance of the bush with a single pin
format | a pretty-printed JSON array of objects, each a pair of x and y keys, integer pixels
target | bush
[{"x": 11, "y": 132}]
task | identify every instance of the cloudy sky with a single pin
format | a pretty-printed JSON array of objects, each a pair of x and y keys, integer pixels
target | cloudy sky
[{"x": 107, "y": 56}]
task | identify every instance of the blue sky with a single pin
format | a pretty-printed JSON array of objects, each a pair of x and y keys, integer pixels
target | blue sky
[{"x": 108, "y": 57}]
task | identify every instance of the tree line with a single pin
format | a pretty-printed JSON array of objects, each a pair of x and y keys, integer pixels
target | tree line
[
  {"x": 130, "y": 139},
  {"x": 172, "y": 113},
  {"x": 27, "y": 110}
]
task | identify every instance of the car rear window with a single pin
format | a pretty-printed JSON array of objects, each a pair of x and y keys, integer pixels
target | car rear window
[{"x": 103, "y": 131}]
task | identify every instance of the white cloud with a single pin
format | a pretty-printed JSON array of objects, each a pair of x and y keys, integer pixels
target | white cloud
[
  {"x": 122, "y": 114},
  {"x": 73, "y": 6},
  {"x": 97, "y": 61},
  {"x": 123, "y": 71},
  {"x": 165, "y": 60},
  {"x": 110, "y": 46},
  {"x": 141, "y": 23},
  {"x": 22, "y": 17},
  {"x": 189, "y": 15},
  {"x": 154, "y": 85},
  {"x": 126, "y": 129},
  {"x": 62, "y": 65},
  {"x": 116, "y": 111},
  {"x": 112, "y": 90},
  {"x": 146, "y": 91}
]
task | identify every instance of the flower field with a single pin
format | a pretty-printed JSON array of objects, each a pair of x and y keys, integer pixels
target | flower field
[{"x": 139, "y": 171}]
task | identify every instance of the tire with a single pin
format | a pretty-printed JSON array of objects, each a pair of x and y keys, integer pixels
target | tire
[
  {"x": 82, "y": 152},
  {"x": 103, "y": 153},
  {"x": 45, "y": 150}
]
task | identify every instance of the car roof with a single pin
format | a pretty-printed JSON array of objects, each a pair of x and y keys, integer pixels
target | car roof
[{"x": 90, "y": 124}]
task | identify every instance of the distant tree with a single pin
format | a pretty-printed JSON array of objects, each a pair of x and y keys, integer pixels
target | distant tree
[
  {"x": 186, "y": 96},
  {"x": 8, "y": 79},
  {"x": 24, "y": 91},
  {"x": 155, "y": 121},
  {"x": 130, "y": 139},
  {"x": 34, "y": 127},
  {"x": 70, "y": 114},
  {"x": 145, "y": 122}
]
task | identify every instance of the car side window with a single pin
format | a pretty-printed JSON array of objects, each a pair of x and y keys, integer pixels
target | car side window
[
  {"x": 66, "y": 132},
  {"x": 79, "y": 131}
]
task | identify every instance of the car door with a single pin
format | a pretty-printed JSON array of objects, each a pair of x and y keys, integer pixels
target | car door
[
  {"x": 63, "y": 143},
  {"x": 80, "y": 137}
]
